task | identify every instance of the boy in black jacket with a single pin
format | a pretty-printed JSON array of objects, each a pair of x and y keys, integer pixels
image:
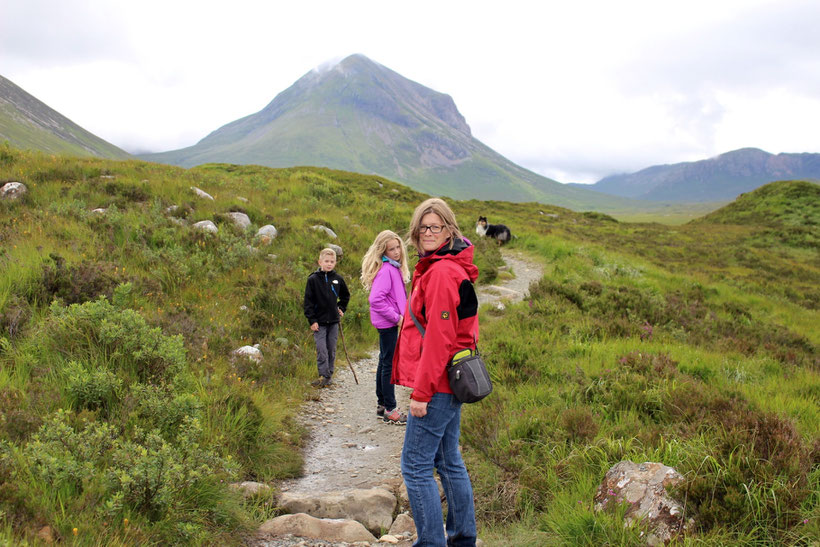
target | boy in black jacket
[{"x": 324, "y": 287}]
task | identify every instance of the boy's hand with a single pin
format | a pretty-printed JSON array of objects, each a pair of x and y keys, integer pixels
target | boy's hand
[
  {"x": 341, "y": 313},
  {"x": 314, "y": 327}
]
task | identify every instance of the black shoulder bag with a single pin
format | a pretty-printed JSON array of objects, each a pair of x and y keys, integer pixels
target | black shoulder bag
[{"x": 466, "y": 371}]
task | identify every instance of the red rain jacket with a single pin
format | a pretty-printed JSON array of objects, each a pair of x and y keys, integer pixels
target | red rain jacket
[{"x": 445, "y": 304}]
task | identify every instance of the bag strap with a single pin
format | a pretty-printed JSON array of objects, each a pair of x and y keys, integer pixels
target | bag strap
[
  {"x": 422, "y": 330},
  {"x": 413, "y": 316}
]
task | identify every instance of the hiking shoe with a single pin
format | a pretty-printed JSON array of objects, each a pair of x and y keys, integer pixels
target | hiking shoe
[
  {"x": 380, "y": 410},
  {"x": 325, "y": 382},
  {"x": 395, "y": 417},
  {"x": 317, "y": 382}
]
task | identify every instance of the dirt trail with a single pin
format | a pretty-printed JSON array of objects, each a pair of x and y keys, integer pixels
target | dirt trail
[{"x": 349, "y": 446}]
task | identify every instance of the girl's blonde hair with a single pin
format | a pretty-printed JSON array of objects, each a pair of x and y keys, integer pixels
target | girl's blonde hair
[
  {"x": 372, "y": 260},
  {"x": 439, "y": 207}
]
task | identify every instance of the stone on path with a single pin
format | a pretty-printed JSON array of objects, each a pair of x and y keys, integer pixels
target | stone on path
[{"x": 306, "y": 526}]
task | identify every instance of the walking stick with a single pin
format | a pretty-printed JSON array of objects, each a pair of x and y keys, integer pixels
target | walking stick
[{"x": 344, "y": 346}]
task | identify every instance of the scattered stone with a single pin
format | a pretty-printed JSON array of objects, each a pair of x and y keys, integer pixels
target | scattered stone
[
  {"x": 251, "y": 352},
  {"x": 202, "y": 193},
  {"x": 206, "y": 226},
  {"x": 326, "y": 230},
  {"x": 13, "y": 190},
  {"x": 250, "y": 488},
  {"x": 306, "y": 526},
  {"x": 267, "y": 234},
  {"x": 240, "y": 220},
  {"x": 387, "y": 538},
  {"x": 243, "y": 200},
  {"x": 99, "y": 210},
  {"x": 643, "y": 488}
]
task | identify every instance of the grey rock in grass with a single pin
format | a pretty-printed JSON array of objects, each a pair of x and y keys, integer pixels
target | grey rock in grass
[
  {"x": 643, "y": 487},
  {"x": 326, "y": 230},
  {"x": 202, "y": 193},
  {"x": 266, "y": 234},
  {"x": 207, "y": 226},
  {"x": 240, "y": 220},
  {"x": 13, "y": 190},
  {"x": 251, "y": 352},
  {"x": 251, "y": 488}
]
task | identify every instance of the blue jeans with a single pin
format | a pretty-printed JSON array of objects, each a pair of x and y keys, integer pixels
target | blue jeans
[
  {"x": 325, "y": 339},
  {"x": 385, "y": 392},
  {"x": 432, "y": 441}
]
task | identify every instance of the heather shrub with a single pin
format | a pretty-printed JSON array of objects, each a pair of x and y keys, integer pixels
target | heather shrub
[
  {"x": 116, "y": 338},
  {"x": 97, "y": 389}
]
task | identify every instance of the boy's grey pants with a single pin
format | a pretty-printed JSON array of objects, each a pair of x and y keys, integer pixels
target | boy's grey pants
[{"x": 325, "y": 339}]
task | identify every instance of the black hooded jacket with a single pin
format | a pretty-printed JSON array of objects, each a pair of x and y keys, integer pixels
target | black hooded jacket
[{"x": 322, "y": 292}]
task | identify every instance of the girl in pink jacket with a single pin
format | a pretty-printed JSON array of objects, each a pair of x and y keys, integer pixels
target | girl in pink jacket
[{"x": 384, "y": 274}]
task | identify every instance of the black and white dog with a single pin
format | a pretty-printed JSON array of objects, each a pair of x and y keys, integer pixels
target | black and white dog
[{"x": 500, "y": 232}]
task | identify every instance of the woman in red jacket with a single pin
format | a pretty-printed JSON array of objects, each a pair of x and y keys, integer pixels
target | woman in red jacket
[{"x": 443, "y": 313}]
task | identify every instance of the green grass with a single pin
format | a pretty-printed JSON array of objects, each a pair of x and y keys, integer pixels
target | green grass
[{"x": 694, "y": 345}]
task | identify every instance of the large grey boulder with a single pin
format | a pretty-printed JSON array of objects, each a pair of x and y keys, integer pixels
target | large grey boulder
[
  {"x": 13, "y": 190},
  {"x": 266, "y": 234},
  {"x": 240, "y": 220},
  {"x": 643, "y": 487},
  {"x": 206, "y": 226},
  {"x": 306, "y": 526},
  {"x": 373, "y": 507}
]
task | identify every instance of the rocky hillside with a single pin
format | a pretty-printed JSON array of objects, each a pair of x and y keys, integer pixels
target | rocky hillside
[
  {"x": 26, "y": 122},
  {"x": 715, "y": 179}
]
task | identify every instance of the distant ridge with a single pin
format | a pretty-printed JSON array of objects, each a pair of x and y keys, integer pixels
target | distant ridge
[
  {"x": 361, "y": 116},
  {"x": 26, "y": 122},
  {"x": 716, "y": 179}
]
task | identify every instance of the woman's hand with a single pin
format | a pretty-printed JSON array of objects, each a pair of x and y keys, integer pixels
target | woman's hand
[
  {"x": 417, "y": 408},
  {"x": 314, "y": 327}
]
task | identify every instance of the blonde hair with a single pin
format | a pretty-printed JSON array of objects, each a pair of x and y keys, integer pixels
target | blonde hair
[
  {"x": 372, "y": 260},
  {"x": 327, "y": 251},
  {"x": 439, "y": 207}
]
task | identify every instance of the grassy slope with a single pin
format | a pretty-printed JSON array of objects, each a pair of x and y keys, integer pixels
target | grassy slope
[{"x": 637, "y": 340}]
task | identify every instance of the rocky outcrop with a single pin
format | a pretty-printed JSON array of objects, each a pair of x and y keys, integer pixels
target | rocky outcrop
[
  {"x": 643, "y": 487},
  {"x": 13, "y": 190}
]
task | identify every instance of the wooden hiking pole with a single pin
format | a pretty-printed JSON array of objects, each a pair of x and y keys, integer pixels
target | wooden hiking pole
[{"x": 344, "y": 346}]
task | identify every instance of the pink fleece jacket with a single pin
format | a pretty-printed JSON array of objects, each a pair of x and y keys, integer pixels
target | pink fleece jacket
[{"x": 388, "y": 297}]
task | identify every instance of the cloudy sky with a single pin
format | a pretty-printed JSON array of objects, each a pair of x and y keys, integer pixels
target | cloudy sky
[{"x": 572, "y": 90}]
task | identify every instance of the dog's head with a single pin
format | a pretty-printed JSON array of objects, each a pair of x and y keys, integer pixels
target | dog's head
[{"x": 482, "y": 221}]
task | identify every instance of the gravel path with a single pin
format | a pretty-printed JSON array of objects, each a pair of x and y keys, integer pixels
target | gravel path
[{"x": 349, "y": 446}]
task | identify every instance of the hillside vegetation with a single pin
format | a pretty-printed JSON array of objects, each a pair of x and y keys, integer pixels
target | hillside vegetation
[
  {"x": 124, "y": 417},
  {"x": 28, "y": 123}
]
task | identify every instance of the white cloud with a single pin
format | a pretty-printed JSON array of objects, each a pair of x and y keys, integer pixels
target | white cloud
[{"x": 574, "y": 91}]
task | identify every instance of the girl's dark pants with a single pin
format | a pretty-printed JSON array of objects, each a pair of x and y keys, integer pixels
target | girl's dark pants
[{"x": 385, "y": 391}]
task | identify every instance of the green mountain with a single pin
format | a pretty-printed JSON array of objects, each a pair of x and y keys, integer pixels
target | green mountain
[
  {"x": 716, "y": 179},
  {"x": 361, "y": 116},
  {"x": 783, "y": 203},
  {"x": 26, "y": 122}
]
